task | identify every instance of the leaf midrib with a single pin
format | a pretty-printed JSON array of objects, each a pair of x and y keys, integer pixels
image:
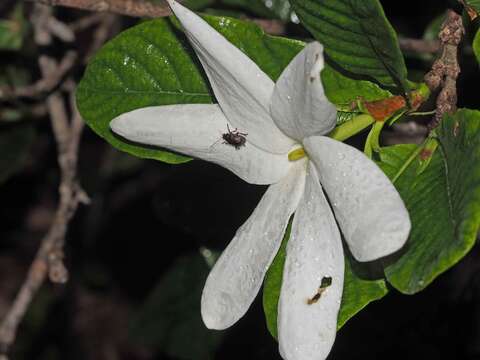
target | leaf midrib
[
  {"x": 448, "y": 187},
  {"x": 156, "y": 92}
]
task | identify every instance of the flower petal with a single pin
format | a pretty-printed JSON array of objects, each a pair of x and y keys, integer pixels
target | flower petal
[
  {"x": 238, "y": 274},
  {"x": 371, "y": 214},
  {"x": 307, "y": 329},
  {"x": 242, "y": 89},
  {"x": 196, "y": 130},
  {"x": 299, "y": 106}
]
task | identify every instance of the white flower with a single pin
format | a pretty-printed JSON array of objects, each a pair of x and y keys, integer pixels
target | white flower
[{"x": 282, "y": 120}]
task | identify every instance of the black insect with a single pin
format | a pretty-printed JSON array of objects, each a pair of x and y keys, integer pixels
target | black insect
[
  {"x": 234, "y": 138},
  {"x": 326, "y": 282}
]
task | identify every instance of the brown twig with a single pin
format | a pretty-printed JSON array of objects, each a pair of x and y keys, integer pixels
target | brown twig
[
  {"x": 86, "y": 21},
  {"x": 445, "y": 69},
  {"x": 419, "y": 45},
  {"x": 45, "y": 84},
  {"x": 135, "y": 8},
  {"x": 101, "y": 34},
  {"x": 49, "y": 258}
]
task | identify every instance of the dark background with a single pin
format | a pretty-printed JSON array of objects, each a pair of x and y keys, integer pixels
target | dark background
[{"x": 136, "y": 272}]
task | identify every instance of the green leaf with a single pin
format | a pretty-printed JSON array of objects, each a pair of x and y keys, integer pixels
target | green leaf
[
  {"x": 13, "y": 29},
  {"x": 476, "y": 46},
  {"x": 273, "y": 282},
  {"x": 15, "y": 141},
  {"x": 144, "y": 66},
  {"x": 357, "y": 36},
  {"x": 151, "y": 64},
  {"x": 170, "y": 318},
  {"x": 271, "y": 53},
  {"x": 264, "y": 8},
  {"x": 443, "y": 200},
  {"x": 342, "y": 90},
  {"x": 358, "y": 292}
]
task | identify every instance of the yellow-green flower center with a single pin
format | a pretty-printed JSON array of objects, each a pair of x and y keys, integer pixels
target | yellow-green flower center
[{"x": 297, "y": 154}]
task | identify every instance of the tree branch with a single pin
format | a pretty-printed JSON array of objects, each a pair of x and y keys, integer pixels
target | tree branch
[
  {"x": 45, "y": 84},
  {"x": 419, "y": 45},
  {"x": 49, "y": 258},
  {"x": 135, "y": 8},
  {"x": 445, "y": 70}
]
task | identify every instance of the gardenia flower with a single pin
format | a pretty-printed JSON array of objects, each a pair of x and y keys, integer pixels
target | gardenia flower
[{"x": 285, "y": 147}]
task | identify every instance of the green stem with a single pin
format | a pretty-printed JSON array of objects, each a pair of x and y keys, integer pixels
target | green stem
[
  {"x": 373, "y": 139},
  {"x": 352, "y": 127},
  {"x": 422, "y": 113}
]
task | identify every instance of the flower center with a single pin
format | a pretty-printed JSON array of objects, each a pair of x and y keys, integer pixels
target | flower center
[{"x": 297, "y": 154}]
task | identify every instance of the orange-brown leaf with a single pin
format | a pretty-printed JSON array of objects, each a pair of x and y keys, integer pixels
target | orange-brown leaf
[{"x": 383, "y": 109}]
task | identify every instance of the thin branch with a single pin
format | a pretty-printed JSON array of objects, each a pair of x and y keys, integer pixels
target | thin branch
[
  {"x": 45, "y": 84},
  {"x": 135, "y": 8},
  {"x": 445, "y": 70},
  {"x": 49, "y": 258},
  {"x": 86, "y": 21},
  {"x": 100, "y": 35},
  {"x": 419, "y": 46}
]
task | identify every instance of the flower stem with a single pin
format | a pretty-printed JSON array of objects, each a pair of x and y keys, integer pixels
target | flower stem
[{"x": 352, "y": 127}]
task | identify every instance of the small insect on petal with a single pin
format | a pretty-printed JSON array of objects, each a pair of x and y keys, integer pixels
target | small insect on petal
[
  {"x": 326, "y": 282},
  {"x": 234, "y": 138}
]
